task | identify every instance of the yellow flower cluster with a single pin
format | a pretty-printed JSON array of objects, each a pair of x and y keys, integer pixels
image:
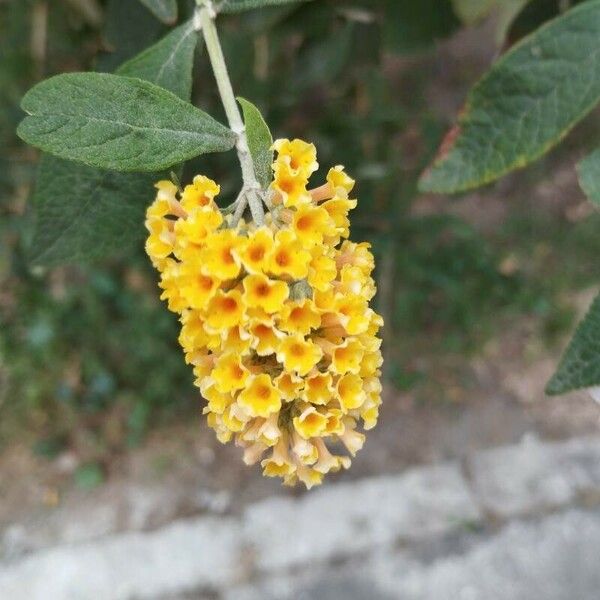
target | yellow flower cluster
[{"x": 275, "y": 318}]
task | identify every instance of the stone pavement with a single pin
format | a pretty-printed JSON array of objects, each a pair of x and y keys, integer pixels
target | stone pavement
[{"x": 512, "y": 523}]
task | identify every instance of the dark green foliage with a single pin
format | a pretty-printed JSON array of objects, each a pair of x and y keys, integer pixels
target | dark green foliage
[
  {"x": 84, "y": 213},
  {"x": 130, "y": 28},
  {"x": 415, "y": 24}
]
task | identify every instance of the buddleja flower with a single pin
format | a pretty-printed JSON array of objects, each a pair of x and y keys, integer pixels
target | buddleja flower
[{"x": 275, "y": 319}]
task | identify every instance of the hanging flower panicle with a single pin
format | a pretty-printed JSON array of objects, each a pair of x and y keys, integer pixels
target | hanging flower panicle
[{"x": 275, "y": 319}]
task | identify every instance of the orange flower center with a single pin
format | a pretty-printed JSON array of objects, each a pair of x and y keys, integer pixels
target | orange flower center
[
  {"x": 257, "y": 253},
  {"x": 287, "y": 186},
  {"x": 282, "y": 259},
  {"x": 263, "y": 392},
  {"x": 227, "y": 256},
  {"x": 304, "y": 223},
  {"x": 262, "y": 290},
  {"x": 229, "y": 305},
  {"x": 205, "y": 283},
  {"x": 297, "y": 350}
]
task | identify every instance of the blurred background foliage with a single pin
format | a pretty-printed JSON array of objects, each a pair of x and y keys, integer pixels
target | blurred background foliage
[{"x": 88, "y": 355}]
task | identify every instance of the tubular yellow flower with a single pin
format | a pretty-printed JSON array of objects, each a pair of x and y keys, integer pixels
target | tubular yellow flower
[
  {"x": 225, "y": 310},
  {"x": 230, "y": 374},
  {"x": 350, "y": 391},
  {"x": 298, "y": 156},
  {"x": 319, "y": 388},
  {"x": 339, "y": 181},
  {"x": 321, "y": 272},
  {"x": 266, "y": 338},
  {"x": 197, "y": 288},
  {"x": 221, "y": 254},
  {"x": 347, "y": 357},
  {"x": 299, "y": 354},
  {"x": 311, "y": 224},
  {"x": 310, "y": 423},
  {"x": 288, "y": 257},
  {"x": 265, "y": 293},
  {"x": 161, "y": 241},
  {"x": 260, "y": 398},
  {"x": 193, "y": 230},
  {"x": 299, "y": 316},
  {"x": 255, "y": 255},
  {"x": 291, "y": 189},
  {"x": 199, "y": 193},
  {"x": 290, "y": 385},
  {"x": 275, "y": 319}
]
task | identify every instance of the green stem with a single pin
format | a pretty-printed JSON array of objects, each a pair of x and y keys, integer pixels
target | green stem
[{"x": 205, "y": 16}]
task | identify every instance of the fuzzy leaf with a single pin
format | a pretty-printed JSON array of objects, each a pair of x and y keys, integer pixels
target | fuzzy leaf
[
  {"x": 589, "y": 176},
  {"x": 168, "y": 63},
  {"x": 525, "y": 104},
  {"x": 580, "y": 364},
  {"x": 260, "y": 141},
  {"x": 165, "y": 10},
  {"x": 114, "y": 122},
  {"x": 233, "y": 6},
  {"x": 82, "y": 213}
]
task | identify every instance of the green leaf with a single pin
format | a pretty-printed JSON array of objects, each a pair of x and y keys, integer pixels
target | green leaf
[
  {"x": 525, "y": 104},
  {"x": 260, "y": 141},
  {"x": 589, "y": 176},
  {"x": 114, "y": 122},
  {"x": 580, "y": 364},
  {"x": 412, "y": 25},
  {"x": 82, "y": 213},
  {"x": 233, "y": 6},
  {"x": 168, "y": 63},
  {"x": 165, "y": 10}
]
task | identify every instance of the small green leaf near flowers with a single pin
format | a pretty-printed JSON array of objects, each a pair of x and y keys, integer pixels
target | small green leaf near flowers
[
  {"x": 260, "y": 141},
  {"x": 114, "y": 122}
]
